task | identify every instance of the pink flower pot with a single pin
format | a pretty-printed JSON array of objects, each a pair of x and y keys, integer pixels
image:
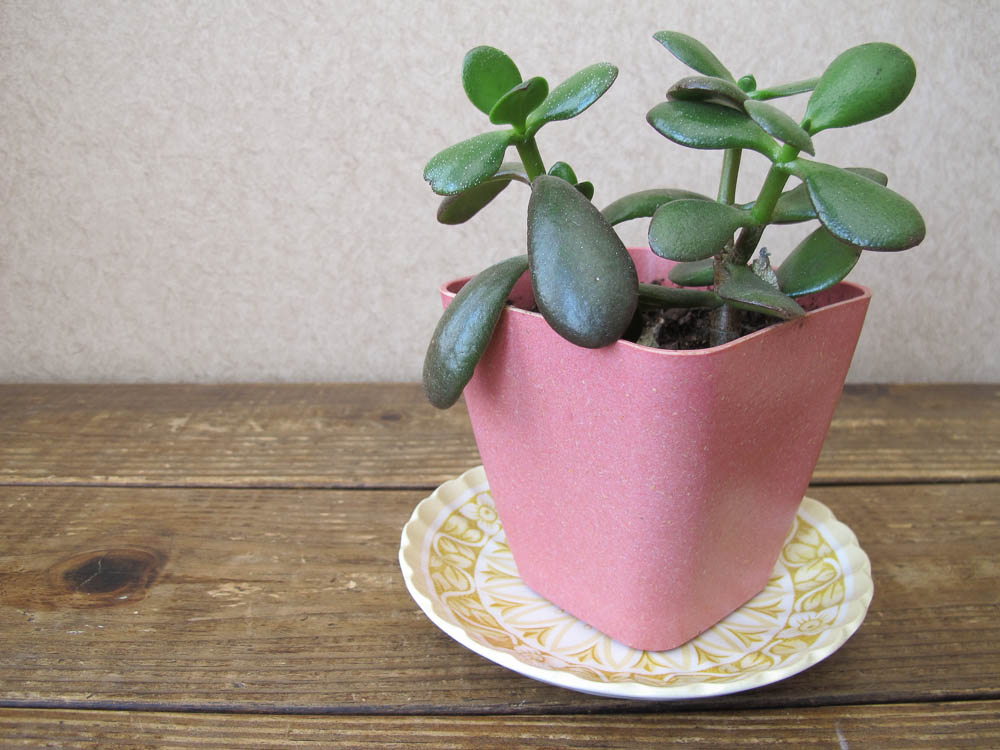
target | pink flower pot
[{"x": 648, "y": 492}]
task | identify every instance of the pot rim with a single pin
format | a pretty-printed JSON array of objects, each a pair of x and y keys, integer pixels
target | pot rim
[{"x": 861, "y": 293}]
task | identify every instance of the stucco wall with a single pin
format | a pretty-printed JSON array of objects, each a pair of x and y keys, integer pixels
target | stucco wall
[{"x": 206, "y": 191}]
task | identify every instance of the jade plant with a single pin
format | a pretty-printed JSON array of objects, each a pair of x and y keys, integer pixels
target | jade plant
[{"x": 584, "y": 281}]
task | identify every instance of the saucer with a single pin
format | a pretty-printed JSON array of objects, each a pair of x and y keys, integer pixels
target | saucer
[{"x": 460, "y": 571}]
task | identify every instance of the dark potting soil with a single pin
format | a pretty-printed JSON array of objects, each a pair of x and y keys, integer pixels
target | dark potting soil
[
  {"x": 682, "y": 327},
  {"x": 688, "y": 328}
]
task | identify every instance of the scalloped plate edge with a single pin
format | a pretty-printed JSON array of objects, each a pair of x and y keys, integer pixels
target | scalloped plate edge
[{"x": 414, "y": 538}]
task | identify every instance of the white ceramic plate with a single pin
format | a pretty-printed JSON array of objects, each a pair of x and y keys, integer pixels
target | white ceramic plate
[{"x": 459, "y": 569}]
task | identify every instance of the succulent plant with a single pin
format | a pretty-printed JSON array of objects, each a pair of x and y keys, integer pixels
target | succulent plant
[{"x": 584, "y": 280}]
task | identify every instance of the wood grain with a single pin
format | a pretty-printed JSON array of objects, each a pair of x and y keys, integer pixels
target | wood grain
[
  {"x": 292, "y": 600},
  {"x": 913, "y": 433},
  {"x": 231, "y": 435},
  {"x": 887, "y": 727},
  {"x": 388, "y": 436}
]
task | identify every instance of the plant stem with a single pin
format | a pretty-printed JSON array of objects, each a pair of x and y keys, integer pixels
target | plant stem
[
  {"x": 746, "y": 243},
  {"x": 763, "y": 207},
  {"x": 724, "y": 325},
  {"x": 730, "y": 171},
  {"x": 770, "y": 191},
  {"x": 785, "y": 89},
  {"x": 725, "y": 320},
  {"x": 532, "y": 160}
]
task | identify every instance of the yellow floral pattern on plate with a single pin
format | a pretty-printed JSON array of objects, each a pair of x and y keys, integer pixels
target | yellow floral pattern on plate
[{"x": 816, "y": 598}]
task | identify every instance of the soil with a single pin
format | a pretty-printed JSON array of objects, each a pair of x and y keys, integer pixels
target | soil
[
  {"x": 688, "y": 328},
  {"x": 681, "y": 327}
]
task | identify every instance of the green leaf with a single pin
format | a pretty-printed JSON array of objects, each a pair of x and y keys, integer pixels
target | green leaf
[
  {"x": 456, "y": 209},
  {"x": 781, "y": 126},
  {"x": 644, "y": 203},
  {"x": 513, "y": 107},
  {"x": 863, "y": 83},
  {"x": 488, "y": 74},
  {"x": 693, "y": 53},
  {"x": 858, "y": 210},
  {"x": 702, "y": 88},
  {"x": 574, "y": 95},
  {"x": 655, "y": 296},
  {"x": 563, "y": 170},
  {"x": 707, "y": 125},
  {"x": 468, "y": 163},
  {"x": 742, "y": 288},
  {"x": 870, "y": 174},
  {"x": 817, "y": 263},
  {"x": 687, "y": 230},
  {"x": 794, "y": 205},
  {"x": 694, "y": 273},
  {"x": 584, "y": 280},
  {"x": 465, "y": 329}
]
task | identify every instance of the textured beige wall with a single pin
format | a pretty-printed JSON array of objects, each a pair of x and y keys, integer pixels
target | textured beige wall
[{"x": 226, "y": 190}]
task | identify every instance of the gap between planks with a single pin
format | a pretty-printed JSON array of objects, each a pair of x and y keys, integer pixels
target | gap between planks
[{"x": 430, "y": 487}]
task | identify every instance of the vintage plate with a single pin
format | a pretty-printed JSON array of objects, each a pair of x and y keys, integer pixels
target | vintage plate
[{"x": 459, "y": 569}]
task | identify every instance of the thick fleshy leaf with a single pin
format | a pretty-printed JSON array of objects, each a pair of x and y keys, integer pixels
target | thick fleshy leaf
[
  {"x": 574, "y": 95},
  {"x": 687, "y": 230},
  {"x": 858, "y": 210},
  {"x": 645, "y": 203},
  {"x": 794, "y": 205},
  {"x": 863, "y": 83},
  {"x": 870, "y": 174},
  {"x": 468, "y": 163},
  {"x": 655, "y": 296},
  {"x": 708, "y": 125},
  {"x": 513, "y": 107},
  {"x": 488, "y": 74},
  {"x": 742, "y": 288},
  {"x": 817, "y": 263},
  {"x": 781, "y": 126},
  {"x": 694, "y": 273},
  {"x": 465, "y": 329},
  {"x": 563, "y": 170},
  {"x": 693, "y": 53},
  {"x": 456, "y": 209},
  {"x": 584, "y": 280},
  {"x": 702, "y": 88}
]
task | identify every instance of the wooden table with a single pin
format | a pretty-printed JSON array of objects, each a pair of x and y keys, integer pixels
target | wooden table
[{"x": 216, "y": 566}]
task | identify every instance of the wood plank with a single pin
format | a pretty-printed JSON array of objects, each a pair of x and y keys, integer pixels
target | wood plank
[
  {"x": 231, "y": 435},
  {"x": 382, "y": 435},
  {"x": 913, "y": 433},
  {"x": 292, "y": 600},
  {"x": 953, "y": 725}
]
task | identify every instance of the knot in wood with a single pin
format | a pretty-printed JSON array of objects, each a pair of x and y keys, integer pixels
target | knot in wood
[{"x": 111, "y": 576}]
